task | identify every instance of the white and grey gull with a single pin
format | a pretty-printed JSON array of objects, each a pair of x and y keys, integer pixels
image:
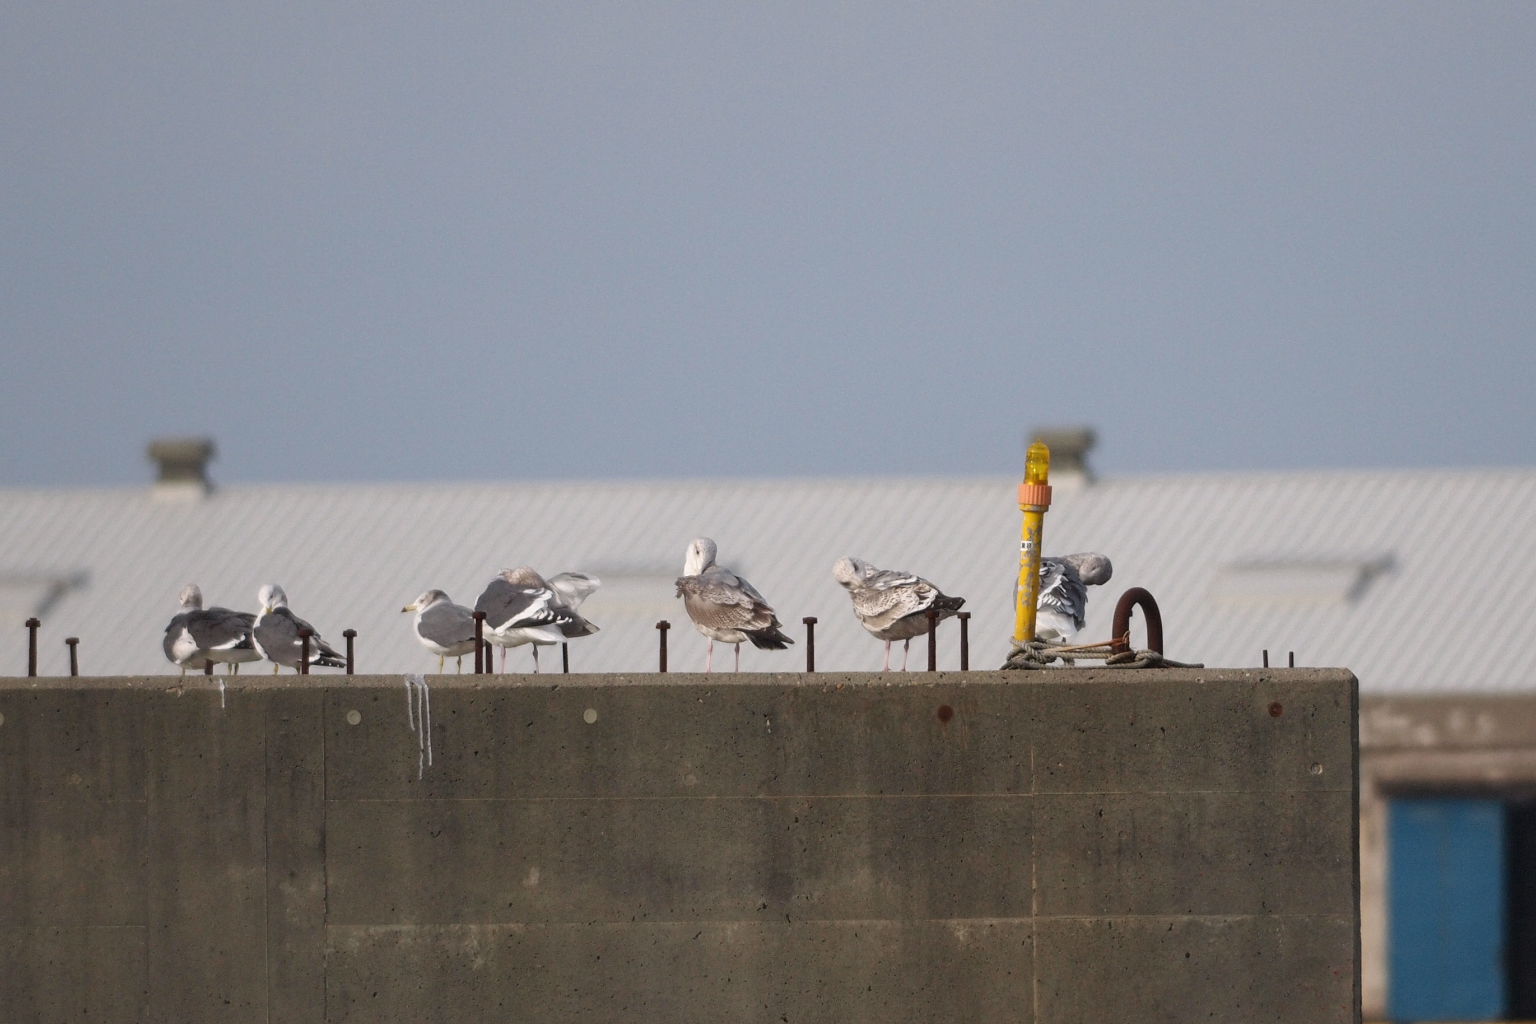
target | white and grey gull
[
  {"x": 1064, "y": 583},
  {"x": 522, "y": 607},
  {"x": 197, "y": 636},
  {"x": 277, "y": 634},
  {"x": 892, "y": 604},
  {"x": 444, "y": 628},
  {"x": 724, "y": 606}
]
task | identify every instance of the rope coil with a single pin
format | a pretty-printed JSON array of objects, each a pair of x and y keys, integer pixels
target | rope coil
[{"x": 1114, "y": 654}]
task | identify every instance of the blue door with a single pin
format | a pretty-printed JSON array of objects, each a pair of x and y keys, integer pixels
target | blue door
[{"x": 1446, "y": 909}]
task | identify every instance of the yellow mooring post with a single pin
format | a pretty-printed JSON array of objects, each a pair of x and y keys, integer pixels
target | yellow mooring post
[{"x": 1034, "y": 499}]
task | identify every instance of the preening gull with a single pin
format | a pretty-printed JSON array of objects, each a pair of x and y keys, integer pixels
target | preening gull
[
  {"x": 277, "y": 634},
  {"x": 1064, "y": 584},
  {"x": 892, "y": 604},
  {"x": 444, "y": 628},
  {"x": 197, "y": 636},
  {"x": 725, "y": 607},
  {"x": 522, "y": 607},
  {"x": 573, "y": 588}
]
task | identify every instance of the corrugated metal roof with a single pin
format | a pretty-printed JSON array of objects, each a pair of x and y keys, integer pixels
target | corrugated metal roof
[{"x": 1412, "y": 580}]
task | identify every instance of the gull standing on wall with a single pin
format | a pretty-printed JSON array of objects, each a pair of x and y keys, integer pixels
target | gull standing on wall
[
  {"x": 444, "y": 628},
  {"x": 1064, "y": 584},
  {"x": 725, "y": 607},
  {"x": 892, "y": 604},
  {"x": 522, "y": 607},
  {"x": 197, "y": 636},
  {"x": 277, "y": 634}
]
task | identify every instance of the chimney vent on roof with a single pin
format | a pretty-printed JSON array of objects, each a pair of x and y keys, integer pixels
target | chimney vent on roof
[
  {"x": 1069, "y": 452},
  {"x": 183, "y": 464}
]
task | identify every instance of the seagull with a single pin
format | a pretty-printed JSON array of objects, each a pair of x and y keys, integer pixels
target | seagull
[
  {"x": 444, "y": 628},
  {"x": 573, "y": 587},
  {"x": 725, "y": 607},
  {"x": 277, "y": 634},
  {"x": 892, "y": 604},
  {"x": 1064, "y": 586},
  {"x": 198, "y": 637},
  {"x": 522, "y": 607}
]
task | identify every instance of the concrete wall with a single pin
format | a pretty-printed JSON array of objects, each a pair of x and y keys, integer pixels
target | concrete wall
[{"x": 1055, "y": 846}]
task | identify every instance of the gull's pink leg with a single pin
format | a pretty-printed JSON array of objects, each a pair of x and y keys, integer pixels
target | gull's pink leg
[
  {"x": 887, "y": 666},
  {"x": 535, "y": 658},
  {"x": 906, "y": 645},
  {"x": 709, "y": 658},
  {"x": 738, "y": 658}
]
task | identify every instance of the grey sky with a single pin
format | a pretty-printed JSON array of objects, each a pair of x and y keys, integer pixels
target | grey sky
[{"x": 480, "y": 239}]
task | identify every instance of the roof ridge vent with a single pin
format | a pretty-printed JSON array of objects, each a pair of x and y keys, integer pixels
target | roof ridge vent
[
  {"x": 1311, "y": 579},
  {"x": 183, "y": 466}
]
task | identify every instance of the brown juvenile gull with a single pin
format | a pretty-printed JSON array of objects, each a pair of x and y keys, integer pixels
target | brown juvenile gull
[
  {"x": 725, "y": 607},
  {"x": 197, "y": 636},
  {"x": 892, "y": 604},
  {"x": 444, "y": 628},
  {"x": 522, "y": 607},
  {"x": 1064, "y": 584},
  {"x": 277, "y": 634}
]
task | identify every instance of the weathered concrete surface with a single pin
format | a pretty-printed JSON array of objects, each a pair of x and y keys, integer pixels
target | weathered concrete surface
[{"x": 1056, "y": 846}]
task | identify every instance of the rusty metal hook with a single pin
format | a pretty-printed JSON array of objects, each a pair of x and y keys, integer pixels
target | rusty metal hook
[{"x": 1121, "y": 631}]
